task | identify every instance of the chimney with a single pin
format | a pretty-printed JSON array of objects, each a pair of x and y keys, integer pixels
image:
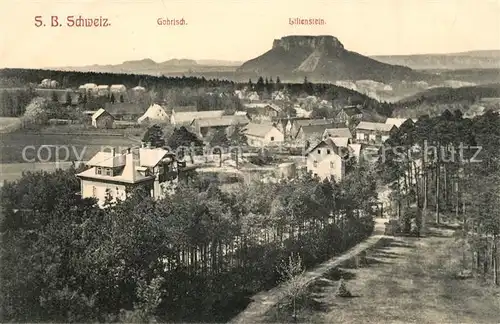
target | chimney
[
  {"x": 128, "y": 150},
  {"x": 148, "y": 145}
]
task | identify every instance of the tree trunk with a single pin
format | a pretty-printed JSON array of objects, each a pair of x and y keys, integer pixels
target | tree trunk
[
  {"x": 417, "y": 187},
  {"x": 445, "y": 187},
  {"x": 425, "y": 202},
  {"x": 457, "y": 192},
  {"x": 495, "y": 261},
  {"x": 438, "y": 220}
]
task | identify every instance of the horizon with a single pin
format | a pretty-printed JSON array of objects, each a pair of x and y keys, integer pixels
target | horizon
[{"x": 241, "y": 31}]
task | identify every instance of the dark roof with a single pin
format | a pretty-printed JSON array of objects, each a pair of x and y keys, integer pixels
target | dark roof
[
  {"x": 122, "y": 108},
  {"x": 318, "y": 129},
  {"x": 309, "y": 122},
  {"x": 352, "y": 110}
]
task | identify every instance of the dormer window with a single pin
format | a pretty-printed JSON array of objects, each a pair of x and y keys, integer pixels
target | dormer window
[
  {"x": 98, "y": 170},
  {"x": 108, "y": 172}
]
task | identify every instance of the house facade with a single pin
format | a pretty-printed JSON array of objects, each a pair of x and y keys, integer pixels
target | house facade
[
  {"x": 294, "y": 124},
  {"x": 397, "y": 121},
  {"x": 118, "y": 88},
  {"x": 349, "y": 115},
  {"x": 312, "y": 134},
  {"x": 263, "y": 111},
  {"x": 102, "y": 119},
  {"x": 204, "y": 126},
  {"x": 373, "y": 133},
  {"x": 264, "y": 134},
  {"x": 112, "y": 175},
  {"x": 325, "y": 160},
  {"x": 102, "y": 90}
]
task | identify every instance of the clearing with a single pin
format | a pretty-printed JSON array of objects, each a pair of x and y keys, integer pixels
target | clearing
[{"x": 401, "y": 280}]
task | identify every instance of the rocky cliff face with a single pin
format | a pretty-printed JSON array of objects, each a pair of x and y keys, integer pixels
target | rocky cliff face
[
  {"x": 324, "y": 58},
  {"x": 322, "y": 43}
]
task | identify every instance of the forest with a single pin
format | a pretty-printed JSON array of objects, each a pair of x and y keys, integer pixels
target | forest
[
  {"x": 197, "y": 255},
  {"x": 175, "y": 90},
  {"x": 448, "y": 168}
]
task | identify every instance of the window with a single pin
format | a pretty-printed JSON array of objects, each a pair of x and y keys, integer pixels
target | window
[
  {"x": 315, "y": 164},
  {"x": 367, "y": 137},
  {"x": 108, "y": 171},
  {"x": 328, "y": 151},
  {"x": 319, "y": 151},
  {"x": 272, "y": 138},
  {"x": 332, "y": 165},
  {"x": 98, "y": 170},
  {"x": 94, "y": 191}
]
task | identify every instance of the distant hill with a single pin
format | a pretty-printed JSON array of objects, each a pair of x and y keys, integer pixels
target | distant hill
[
  {"x": 322, "y": 58},
  {"x": 452, "y": 95},
  {"x": 488, "y": 59},
  {"x": 148, "y": 66}
]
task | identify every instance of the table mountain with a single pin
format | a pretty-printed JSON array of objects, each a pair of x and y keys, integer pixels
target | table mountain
[{"x": 325, "y": 58}]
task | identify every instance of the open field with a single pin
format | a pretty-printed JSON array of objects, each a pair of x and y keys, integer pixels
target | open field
[
  {"x": 22, "y": 147},
  {"x": 401, "y": 280},
  {"x": 9, "y": 124}
]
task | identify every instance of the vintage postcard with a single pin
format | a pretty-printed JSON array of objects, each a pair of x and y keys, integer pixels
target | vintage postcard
[{"x": 253, "y": 161}]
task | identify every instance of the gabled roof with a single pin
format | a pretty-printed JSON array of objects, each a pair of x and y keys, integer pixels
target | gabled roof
[
  {"x": 380, "y": 127},
  {"x": 154, "y": 112},
  {"x": 355, "y": 149},
  {"x": 338, "y": 132},
  {"x": 103, "y": 86},
  {"x": 150, "y": 157},
  {"x": 221, "y": 121},
  {"x": 107, "y": 159},
  {"x": 316, "y": 129},
  {"x": 259, "y": 130},
  {"x": 118, "y": 86},
  {"x": 328, "y": 143},
  {"x": 352, "y": 110},
  {"x": 188, "y": 117},
  {"x": 308, "y": 122},
  {"x": 123, "y": 108},
  {"x": 340, "y": 141},
  {"x": 98, "y": 113},
  {"x": 396, "y": 121}
]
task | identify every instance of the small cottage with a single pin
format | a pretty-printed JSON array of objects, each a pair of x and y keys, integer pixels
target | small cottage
[{"x": 102, "y": 119}]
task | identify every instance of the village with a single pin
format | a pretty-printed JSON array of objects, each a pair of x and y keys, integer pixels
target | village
[{"x": 321, "y": 147}]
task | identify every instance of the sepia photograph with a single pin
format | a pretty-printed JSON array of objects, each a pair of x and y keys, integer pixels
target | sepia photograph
[{"x": 262, "y": 161}]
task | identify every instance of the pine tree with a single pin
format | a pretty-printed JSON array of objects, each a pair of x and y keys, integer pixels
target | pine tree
[
  {"x": 68, "y": 99},
  {"x": 342, "y": 290},
  {"x": 54, "y": 96}
]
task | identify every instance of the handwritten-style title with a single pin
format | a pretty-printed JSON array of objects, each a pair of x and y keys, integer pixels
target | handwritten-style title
[{"x": 72, "y": 21}]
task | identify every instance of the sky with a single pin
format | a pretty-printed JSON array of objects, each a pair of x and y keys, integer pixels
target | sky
[{"x": 237, "y": 30}]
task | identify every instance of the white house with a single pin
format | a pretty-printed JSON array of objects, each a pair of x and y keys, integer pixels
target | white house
[
  {"x": 102, "y": 90},
  {"x": 118, "y": 88},
  {"x": 88, "y": 87},
  {"x": 114, "y": 174},
  {"x": 139, "y": 89},
  {"x": 326, "y": 160},
  {"x": 154, "y": 113},
  {"x": 265, "y": 134},
  {"x": 373, "y": 133}
]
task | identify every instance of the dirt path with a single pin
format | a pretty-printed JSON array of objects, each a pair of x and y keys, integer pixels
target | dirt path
[
  {"x": 263, "y": 301},
  {"x": 406, "y": 280}
]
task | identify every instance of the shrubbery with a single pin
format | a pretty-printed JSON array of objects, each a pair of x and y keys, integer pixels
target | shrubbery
[{"x": 195, "y": 256}]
